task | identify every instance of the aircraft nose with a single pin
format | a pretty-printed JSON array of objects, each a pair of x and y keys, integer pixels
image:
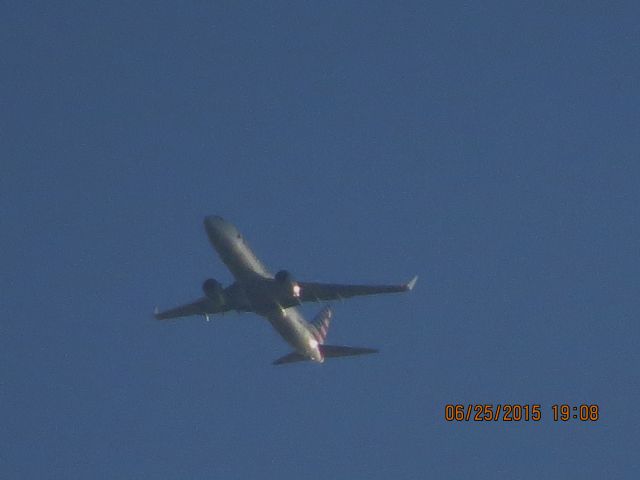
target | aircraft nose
[
  {"x": 215, "y": 227},
  {"x": 213, "y": 220}
]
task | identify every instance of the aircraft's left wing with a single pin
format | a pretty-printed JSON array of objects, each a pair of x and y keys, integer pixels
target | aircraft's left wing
[
  {"x": 313, "y": 292},
  {"x": 203, "y": 306}
]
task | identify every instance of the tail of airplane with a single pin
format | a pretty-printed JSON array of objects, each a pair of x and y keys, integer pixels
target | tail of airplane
[
  {"x": 319, "y": 328},
  {"x": 320, "y": 324},
  {"x": 328, "y": 351}
]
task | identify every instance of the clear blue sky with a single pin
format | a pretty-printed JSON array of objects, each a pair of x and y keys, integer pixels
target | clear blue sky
[{"x": 490, "y": 148}]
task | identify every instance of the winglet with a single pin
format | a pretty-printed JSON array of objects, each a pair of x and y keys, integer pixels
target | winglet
[
  {"x": 409, "y": 286},
  {"x": 156, "y": 311}
]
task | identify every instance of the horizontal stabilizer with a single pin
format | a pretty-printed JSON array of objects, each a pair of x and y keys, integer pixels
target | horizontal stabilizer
[
  {"x": 331, "y": 351},
  {"x": 328, "y": 351},
  {"x": 290, "y": 358}
]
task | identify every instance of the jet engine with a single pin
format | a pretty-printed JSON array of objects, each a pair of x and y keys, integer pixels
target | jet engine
[
  {"x": 284, "y": 278},
  {"x": 213, "y": 290}
]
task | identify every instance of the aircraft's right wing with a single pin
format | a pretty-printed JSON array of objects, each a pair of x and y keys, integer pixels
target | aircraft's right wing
[
  {"x": 203, "y": 306},
  {"x": 313, "y": 292}
]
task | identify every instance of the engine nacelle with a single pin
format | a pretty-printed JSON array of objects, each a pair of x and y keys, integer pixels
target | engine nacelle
[
  {"x": 213, "y": 290},
  {"x": 284, "y": 277},
  {"x": 291, "y": 287}
]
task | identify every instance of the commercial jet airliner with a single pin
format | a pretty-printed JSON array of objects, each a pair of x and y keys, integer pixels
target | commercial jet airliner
[{"x": 274, "y": 297}]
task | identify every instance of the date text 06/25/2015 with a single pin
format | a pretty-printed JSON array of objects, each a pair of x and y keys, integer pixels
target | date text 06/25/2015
[{"x": 519, "y": 412}]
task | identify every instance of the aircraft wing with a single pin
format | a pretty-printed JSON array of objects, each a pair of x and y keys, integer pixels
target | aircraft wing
[
  {"x": 313, "y": 292},
  {"x": 203, "y": 306}
]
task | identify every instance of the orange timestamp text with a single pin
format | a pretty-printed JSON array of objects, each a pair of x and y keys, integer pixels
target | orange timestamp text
[{"x": 516, "y": 412}]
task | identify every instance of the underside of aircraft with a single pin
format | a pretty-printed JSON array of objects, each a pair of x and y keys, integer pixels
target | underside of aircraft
[{"x": 274, "y": 297}]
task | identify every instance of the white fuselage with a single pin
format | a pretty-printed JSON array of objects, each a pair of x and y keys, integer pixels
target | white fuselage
[{"x": 255, "y": 283}]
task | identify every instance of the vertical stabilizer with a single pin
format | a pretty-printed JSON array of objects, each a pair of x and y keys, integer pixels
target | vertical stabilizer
[{"x": 320, "y": 324}]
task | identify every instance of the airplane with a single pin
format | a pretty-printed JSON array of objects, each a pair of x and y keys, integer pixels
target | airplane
[{"x": 274, "y": 297}]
